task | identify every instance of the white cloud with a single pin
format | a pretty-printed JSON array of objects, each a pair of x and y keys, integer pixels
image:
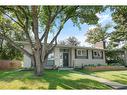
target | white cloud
[
  {"x": 98, "y": 15},
  {"x": 92, "y": 27},
  {"x": 84, "y": 43},
  {"x": 104, "y": 18}
]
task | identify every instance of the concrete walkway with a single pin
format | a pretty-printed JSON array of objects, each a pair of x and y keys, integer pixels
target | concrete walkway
[{"x": 114, "y": 85}]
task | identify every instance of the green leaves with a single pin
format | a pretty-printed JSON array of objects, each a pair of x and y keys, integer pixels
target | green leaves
[
  {"x": 120, "y": 18},
  {"x": 70, "y": 41},
  {"x": 10, "y": 53},
  {"x": 87, "y": 14},
  {"x": 78, "y": 14},
  {"x": 97, "y": 34}
]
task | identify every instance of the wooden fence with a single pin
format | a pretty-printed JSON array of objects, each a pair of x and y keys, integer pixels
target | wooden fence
[{"x": 8, "y": 64}]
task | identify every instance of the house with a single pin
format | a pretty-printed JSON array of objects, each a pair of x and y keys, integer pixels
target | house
[{"x": 70, "y": 56}]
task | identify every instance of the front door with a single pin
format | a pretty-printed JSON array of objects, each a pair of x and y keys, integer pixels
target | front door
[{"x": 65, "y": 59}]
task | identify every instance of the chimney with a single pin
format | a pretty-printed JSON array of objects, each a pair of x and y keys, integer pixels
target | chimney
[{"x": 99, "y": 45}]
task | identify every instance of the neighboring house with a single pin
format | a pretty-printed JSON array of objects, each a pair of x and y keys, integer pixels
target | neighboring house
[{"x": 70, "y": 56}]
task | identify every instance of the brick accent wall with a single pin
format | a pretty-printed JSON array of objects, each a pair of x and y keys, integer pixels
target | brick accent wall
[{"x": 99, "y": 45}]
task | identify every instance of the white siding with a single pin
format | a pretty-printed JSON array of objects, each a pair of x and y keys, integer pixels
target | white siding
[
  {"x": 82, "y": 62},
  {"x": 61, "y": 59},
  {"x": 73, "y": 57},
  {"x": 125, "y": 57},
  {"x": 57, "y": 57},
  {"x": 27, "y": 60}
]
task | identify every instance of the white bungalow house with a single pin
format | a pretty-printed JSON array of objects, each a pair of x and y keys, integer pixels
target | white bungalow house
[{"x": 70, "y": 56}]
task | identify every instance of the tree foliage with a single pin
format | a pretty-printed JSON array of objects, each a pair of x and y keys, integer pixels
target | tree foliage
[
  {"x": 10, "y": 53},
  {"x": 98, "y": 34},
  {"x": 70, "y": 41},
  {"x": 120, "y": 18},
  {"x": 113, "y": 57},
  {"x": 7, "y": 51}
]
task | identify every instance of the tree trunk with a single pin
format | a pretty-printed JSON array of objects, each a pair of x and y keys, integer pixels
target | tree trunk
[
  {"x": 38, "y": 63},
  {"x": 1, "y": 45},
  {"x": 33, "y": 64},
  {"x": 125, "y": 52},
  {"x": 39, "y": 69},
  {"x": 38, "y": 48}
]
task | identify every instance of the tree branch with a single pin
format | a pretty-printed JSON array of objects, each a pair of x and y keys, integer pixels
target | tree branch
[
  {"x": 12, "y": 19},
  {"x": 24, "y": 27},
  {"x": 51, "y": 49},
  {"x": 60, "y": 28},
  {"x": 50, "y": 21},
  {"x": 35, "y": 26},
  {"x": 17, "y": 15},
  {"x": 14, "y": 44},
  {"x": 27, "y": 32}
]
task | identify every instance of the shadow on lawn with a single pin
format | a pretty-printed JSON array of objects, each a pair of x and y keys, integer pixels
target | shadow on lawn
[
  {"x": 124, "y": 74},
  {"x": 81, "y": 83},
  {"x": 53, "y": 78},
  {"x": 76, "y": 84},
  {"x": 122, "y": 79},
  {"x": 119, "y": 76}
]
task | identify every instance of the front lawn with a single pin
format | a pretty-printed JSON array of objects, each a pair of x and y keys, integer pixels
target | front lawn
[
  {"x": 51, "y": 80},
  {"x": 116, "y": 76}
]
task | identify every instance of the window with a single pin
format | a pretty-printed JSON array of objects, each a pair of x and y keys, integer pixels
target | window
[
  {"x": 50, "y": 63},
  {"x": 97, "y": 54},
  {"x": 84, "y": 52},
  {"x": 81, "y": 53},
  {"x": 51, "y": 56}
]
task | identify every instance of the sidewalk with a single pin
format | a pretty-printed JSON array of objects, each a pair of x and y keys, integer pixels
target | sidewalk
[{"x": 114, "y": 85}]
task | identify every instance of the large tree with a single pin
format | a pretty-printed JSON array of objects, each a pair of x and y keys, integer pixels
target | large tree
[
  {"x": 97, "y": 34},
  {"x": 39, "y": 21},
  {"x": 70, "y": 41},
  {"x": 73, "y": 41},
  {"x": 119, "y": 16}
]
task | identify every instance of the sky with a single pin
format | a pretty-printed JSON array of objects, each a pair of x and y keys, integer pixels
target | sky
[{"x": 70, "y": 30}]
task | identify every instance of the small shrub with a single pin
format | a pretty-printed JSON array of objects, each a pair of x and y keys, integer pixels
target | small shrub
[{"x": 99, "y": 64}]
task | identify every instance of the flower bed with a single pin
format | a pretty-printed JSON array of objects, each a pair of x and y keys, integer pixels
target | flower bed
[
  {"x": 7, "y": 64},
  {"x": 101, "y": 68}
]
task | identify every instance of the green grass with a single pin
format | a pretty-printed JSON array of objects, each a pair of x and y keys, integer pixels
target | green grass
[
  {"x": 52, "y": 79},
  {"x": 116, "y": 76}
]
